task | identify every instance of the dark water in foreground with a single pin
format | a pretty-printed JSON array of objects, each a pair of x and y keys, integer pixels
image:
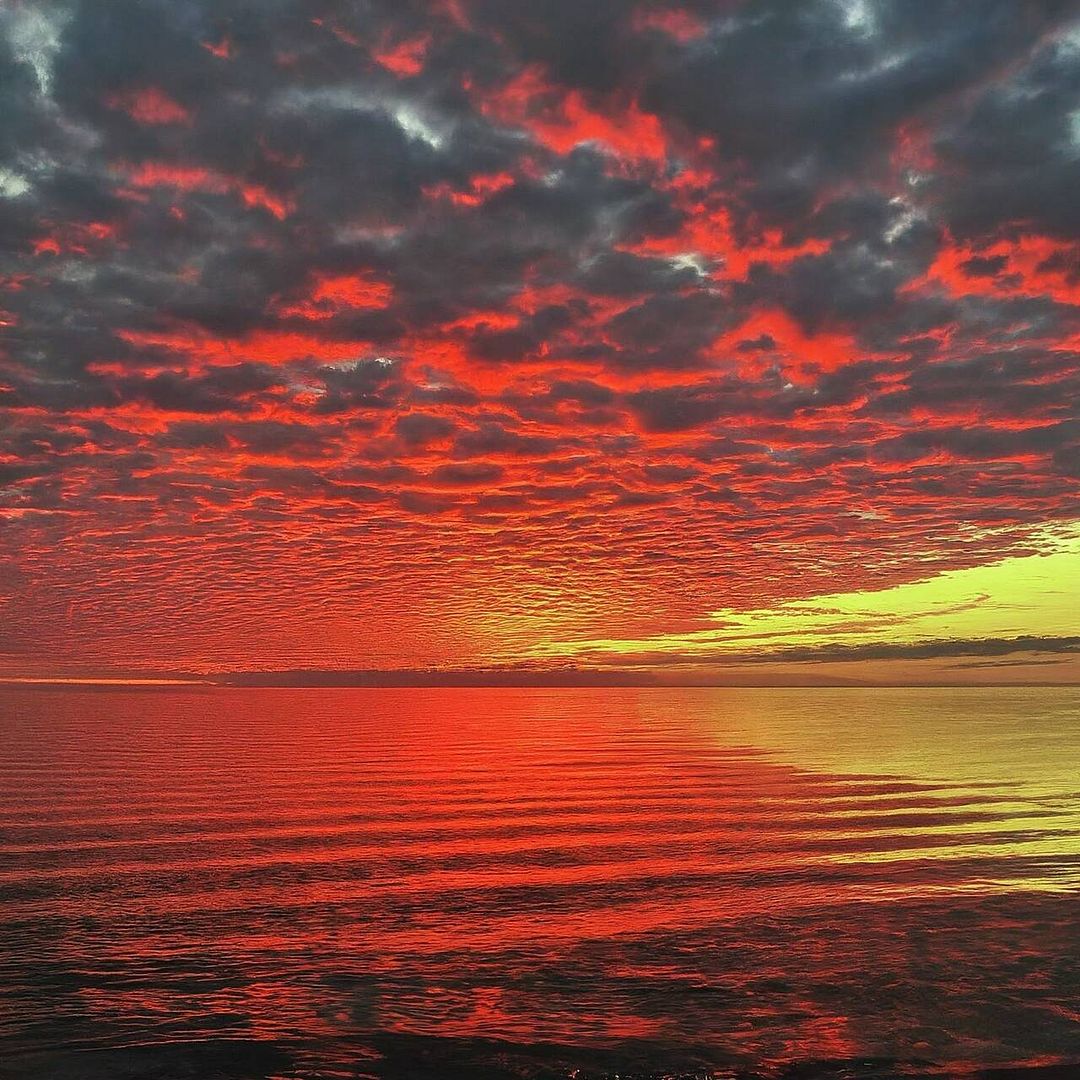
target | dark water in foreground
[{"x": 539, "y": 883}]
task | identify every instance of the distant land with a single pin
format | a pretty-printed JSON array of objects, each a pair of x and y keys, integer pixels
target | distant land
[
  {"x": 1017, "y": 661},
  {"x": 508, "y": 678}
]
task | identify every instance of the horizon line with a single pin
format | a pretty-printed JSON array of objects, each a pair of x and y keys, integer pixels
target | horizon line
[{"x": 418, "y": 679}]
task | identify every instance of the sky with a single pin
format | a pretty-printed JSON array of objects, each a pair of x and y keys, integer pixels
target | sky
[{"x": 732, "y": 337}]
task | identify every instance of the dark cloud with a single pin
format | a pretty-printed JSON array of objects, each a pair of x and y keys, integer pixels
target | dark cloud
[
  {"x": 799, "y": 95},
  {"x": 492, "y": 438},
  {"x": 418, "y": 429},
  {"x": 928, "y": 649},
  {"x": 361, "y": 384},
  {"x": 217, "y": 390},
  {"x": 1028, "y": 649},
  {"x": 466, "y": 475},
  {"x": 1018, "y": 150}
]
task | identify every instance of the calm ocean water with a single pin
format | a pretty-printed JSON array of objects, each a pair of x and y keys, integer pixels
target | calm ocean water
[{"x": 539, "y": 883}]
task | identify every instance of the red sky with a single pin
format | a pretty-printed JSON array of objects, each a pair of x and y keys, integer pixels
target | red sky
[{"x": 452, "y": 334}]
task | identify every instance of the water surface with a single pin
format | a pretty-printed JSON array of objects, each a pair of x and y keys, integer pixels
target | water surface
[{"x": 539, "y": 882}]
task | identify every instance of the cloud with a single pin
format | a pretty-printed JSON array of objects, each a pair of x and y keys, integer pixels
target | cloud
[{"x": 484, "y": 328}]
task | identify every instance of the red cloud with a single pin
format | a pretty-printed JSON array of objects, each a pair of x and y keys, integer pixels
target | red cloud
[
  {"x": 404, "y": 58},
  {"x": 196, "y": 178},
  {"x": 684, "y": 26},
  {"x": 1024, "y": 266},
  {"x": 561, "y": 119},
  {"x": 337, "y": 292},
  {"x": 150, "y": 105}
]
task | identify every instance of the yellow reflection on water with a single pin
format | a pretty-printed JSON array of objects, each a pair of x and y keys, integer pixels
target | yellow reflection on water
[{"x": 1009, "y": 756}]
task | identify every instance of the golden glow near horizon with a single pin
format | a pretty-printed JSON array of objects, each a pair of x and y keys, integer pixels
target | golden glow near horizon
[{"x": 1024, "y": 596}]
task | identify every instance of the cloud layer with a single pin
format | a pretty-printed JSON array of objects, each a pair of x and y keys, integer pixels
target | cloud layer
[{"x": 419, "y": 333}]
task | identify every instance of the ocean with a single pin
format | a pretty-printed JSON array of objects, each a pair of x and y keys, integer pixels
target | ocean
[{"x": 539, "y": 883}]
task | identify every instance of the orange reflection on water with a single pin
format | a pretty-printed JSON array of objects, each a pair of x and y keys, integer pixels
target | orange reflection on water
[{"x": 757, "y": 877}]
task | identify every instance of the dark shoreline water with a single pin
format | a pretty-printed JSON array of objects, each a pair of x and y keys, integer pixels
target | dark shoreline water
[
  {"x": 539, "y": 883},
  {"x": 417, "y": 1058}
]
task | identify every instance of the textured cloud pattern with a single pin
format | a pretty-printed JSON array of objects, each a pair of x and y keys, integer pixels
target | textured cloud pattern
[{"x": 394, "y": 334}]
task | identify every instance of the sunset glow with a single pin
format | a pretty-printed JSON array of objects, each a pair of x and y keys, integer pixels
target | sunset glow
[{"x": 475, "y": 335}]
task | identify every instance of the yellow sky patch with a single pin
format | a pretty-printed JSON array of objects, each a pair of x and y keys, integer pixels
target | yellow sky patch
[{"x": 1024, "y": 596}]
